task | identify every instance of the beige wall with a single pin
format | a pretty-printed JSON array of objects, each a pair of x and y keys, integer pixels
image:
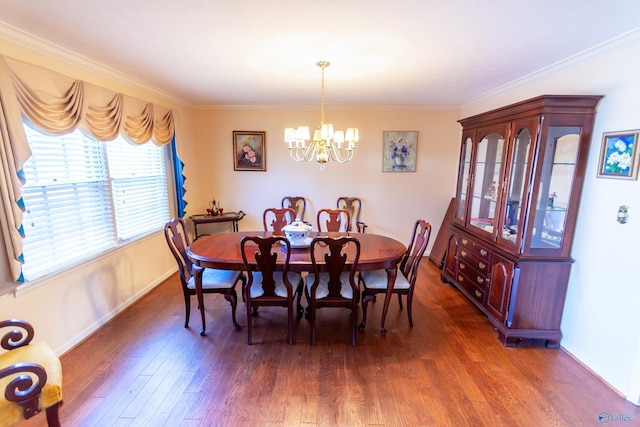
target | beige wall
[{"x": 392, "y": 200}]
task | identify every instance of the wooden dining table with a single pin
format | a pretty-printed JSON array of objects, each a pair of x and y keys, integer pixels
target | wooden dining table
[{"x": 222, "y": 251}]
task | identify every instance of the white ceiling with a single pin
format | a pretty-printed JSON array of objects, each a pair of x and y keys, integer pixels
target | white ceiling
[{"x": 423, "y": 52}]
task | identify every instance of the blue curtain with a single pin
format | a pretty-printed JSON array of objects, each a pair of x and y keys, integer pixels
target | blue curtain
[{"x": 179, "y": 179}]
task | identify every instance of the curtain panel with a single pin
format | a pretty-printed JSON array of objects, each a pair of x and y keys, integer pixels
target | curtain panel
[{"x": 57, "y": 104}]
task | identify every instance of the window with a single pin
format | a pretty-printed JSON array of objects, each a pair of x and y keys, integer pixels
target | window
[{"x": 83, "y": 197}]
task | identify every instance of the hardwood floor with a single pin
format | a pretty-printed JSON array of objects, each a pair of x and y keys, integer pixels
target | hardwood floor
[{"x": 145, "y": 369}]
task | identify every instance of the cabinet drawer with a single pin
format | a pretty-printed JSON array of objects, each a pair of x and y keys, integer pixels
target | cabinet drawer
[
  {"x": 473, "y": 260},
  {"x": 472, "y": 276},
  {"x": 475, "y": 248},
  {"x": 471, "y": 288}
]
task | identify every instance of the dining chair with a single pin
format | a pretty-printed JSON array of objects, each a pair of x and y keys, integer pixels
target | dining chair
[
  {"x": 274, "y": 219},
  {"x": 297, "y": 203},
  {"x": 334, "y": 220},
  {"x": 265, "y": 285},
  {"x": 354, "y": 206},
  {"x": 335, "y": 284},
  {"x": 214, "y": 281},
  {"x": 376, "y": 281}
]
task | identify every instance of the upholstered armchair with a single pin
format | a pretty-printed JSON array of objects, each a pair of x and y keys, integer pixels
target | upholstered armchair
[{"x": 30, "y": 376}]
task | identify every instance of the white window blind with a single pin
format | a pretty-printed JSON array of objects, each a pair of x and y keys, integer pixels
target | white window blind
[
  {"x": 70, "y": 215},
  {"x": 139, "y": 186}
]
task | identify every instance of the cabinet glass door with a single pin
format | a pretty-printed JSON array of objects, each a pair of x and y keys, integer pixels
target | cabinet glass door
[
  {"x": 519, "y": 173},
  {"x": 556, "y": 186},
  {"x": 485, "y": 196},
  {"x": 463, "y": 178}
]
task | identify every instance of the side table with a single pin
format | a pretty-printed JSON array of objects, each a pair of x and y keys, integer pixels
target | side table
[{"x": 233, "y": 217}]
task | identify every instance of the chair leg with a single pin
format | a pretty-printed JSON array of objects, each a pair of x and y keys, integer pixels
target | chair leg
[
  {"x": 187, "y": 306},
  {"x": 233, "y": 300},
  {"x": 290, "y": 338},
  {"x": 53, "y": 417},
  {"x": 354, "y": 324},
  {"x": 400, "y": 300},
  {"x": 299, "y": 292},
  {"x": 409, "y": 301},
  {"x": 249, "y": 323},
  {"x": 312, "y": 321},
  {"x": 365, "y": 302}
]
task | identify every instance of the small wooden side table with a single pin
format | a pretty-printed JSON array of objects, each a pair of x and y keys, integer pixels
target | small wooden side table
[{"x": 233, "y": 217}]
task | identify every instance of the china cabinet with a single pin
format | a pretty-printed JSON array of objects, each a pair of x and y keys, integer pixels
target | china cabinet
[{"x": 520, "y": 177}]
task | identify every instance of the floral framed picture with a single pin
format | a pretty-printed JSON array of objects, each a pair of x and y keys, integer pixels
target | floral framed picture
[
  {"x": 619, "y": 155},
  {"x": 249, "y": 151},
  {"x": 399, "y": 151}
]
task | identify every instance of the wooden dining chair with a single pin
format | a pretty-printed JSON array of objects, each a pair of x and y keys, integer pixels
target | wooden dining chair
[
  {"x": 335, "y": 283},
  {"x": 297, "y": 203},
  {"x": 273, "y": 219},
  {"x": 265, "y": 285},
  {"x": 214, "y": 281},
  {"x": 354, "y": 206},
  {"x": 376, "y": 281},
  {"x": 334, "y": 220}
]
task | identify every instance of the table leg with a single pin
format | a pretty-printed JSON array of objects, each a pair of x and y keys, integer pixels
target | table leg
[
  {"x": 197, "y": 275},
  {"x": 391, "y": 279}
]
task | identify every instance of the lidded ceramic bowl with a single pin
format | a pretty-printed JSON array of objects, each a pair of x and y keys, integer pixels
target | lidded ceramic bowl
[{"x": 297, "y": 232}]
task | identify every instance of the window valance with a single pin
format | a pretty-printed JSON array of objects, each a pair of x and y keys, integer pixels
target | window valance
[{"x": 58, "y": 104}]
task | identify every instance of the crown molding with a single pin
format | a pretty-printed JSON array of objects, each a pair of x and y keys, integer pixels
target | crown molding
[{"x": 44, "y": 47}]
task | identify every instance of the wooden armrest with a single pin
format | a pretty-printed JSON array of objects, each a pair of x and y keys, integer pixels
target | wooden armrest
[
  {"x": 26, "y": 387},
  {"x": 16, "y": 337}
]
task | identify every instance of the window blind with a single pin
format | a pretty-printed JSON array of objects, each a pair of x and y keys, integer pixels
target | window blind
[{"x": 83, "y": 197}]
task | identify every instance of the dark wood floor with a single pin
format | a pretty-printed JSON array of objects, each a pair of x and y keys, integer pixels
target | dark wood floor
[{"x": 143, "y": 368}]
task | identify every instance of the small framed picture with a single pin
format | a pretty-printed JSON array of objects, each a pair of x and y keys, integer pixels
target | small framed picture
[
  {"x": 399, "y": 151},
  {"x": 619, "y": 155},
  {"x": 249, "y": 151}
]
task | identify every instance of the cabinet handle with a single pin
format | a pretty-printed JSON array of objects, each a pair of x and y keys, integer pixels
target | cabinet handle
[
  {"x": 480, "y": 280},
  {"x": 460, "y": 278},
  {"x": 483, "y": 252},
  {"x": 462, "y": 266},
  {"x": 482, "y": 265},
  {"x": 463, "y": 253},
  {"x": 478, "y": 294},
  {"x": 465, "y": 242}
]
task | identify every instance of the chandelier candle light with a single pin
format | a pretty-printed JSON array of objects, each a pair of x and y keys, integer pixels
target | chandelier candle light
[{"x": 326, "y": 143}]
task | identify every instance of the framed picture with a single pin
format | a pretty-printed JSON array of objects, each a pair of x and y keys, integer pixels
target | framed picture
[
  {"x": 399, "y": 151},
  {"x": 619, "y": 155},
  {"x": 249, "y": 151}
]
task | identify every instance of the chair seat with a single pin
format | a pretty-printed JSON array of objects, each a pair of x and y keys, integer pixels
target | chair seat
[
  {"x": 281, "y": 289},
  {"x": 42, "y": 354},
  {"x": 377, "y": 279},
  {"x": 212, "y": 278},
  {"x": 322, "y": 291}
]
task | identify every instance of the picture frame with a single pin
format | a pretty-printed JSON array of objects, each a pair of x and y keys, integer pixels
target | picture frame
[
  {"x": 619, "y": 155},
  {"x": 399, "y": 151},
  {"x": 249, "y": 151}
]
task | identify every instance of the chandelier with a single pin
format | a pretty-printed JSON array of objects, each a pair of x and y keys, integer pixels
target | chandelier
[{"x": 326, "y": 144}]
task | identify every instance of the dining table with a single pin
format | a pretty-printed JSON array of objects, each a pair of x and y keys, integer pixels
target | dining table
[{"x": 222, "y": 251}]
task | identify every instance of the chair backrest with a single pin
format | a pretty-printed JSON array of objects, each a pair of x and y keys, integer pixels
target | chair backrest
[
  {"x": 415, "y": 250},
  {"x": 297, "y": 203},
  {"x": 264, "y": 259},
  {"x": 334, "y": 220},
  {"x": 337, "y": 253},
  {"x": 274, "y": 219},
  {"x": 177, "y": 238},
  {"x": 354, "y": 206}
]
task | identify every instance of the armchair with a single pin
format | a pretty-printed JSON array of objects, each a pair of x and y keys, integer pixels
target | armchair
[{"x": 30, "y": 376}]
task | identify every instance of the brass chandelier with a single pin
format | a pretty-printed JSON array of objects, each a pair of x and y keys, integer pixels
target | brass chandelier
[{"x": 326, "y": 144}]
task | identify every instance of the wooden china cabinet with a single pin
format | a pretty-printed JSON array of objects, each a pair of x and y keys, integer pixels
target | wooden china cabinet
[{"x": 519, "y": 182}]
